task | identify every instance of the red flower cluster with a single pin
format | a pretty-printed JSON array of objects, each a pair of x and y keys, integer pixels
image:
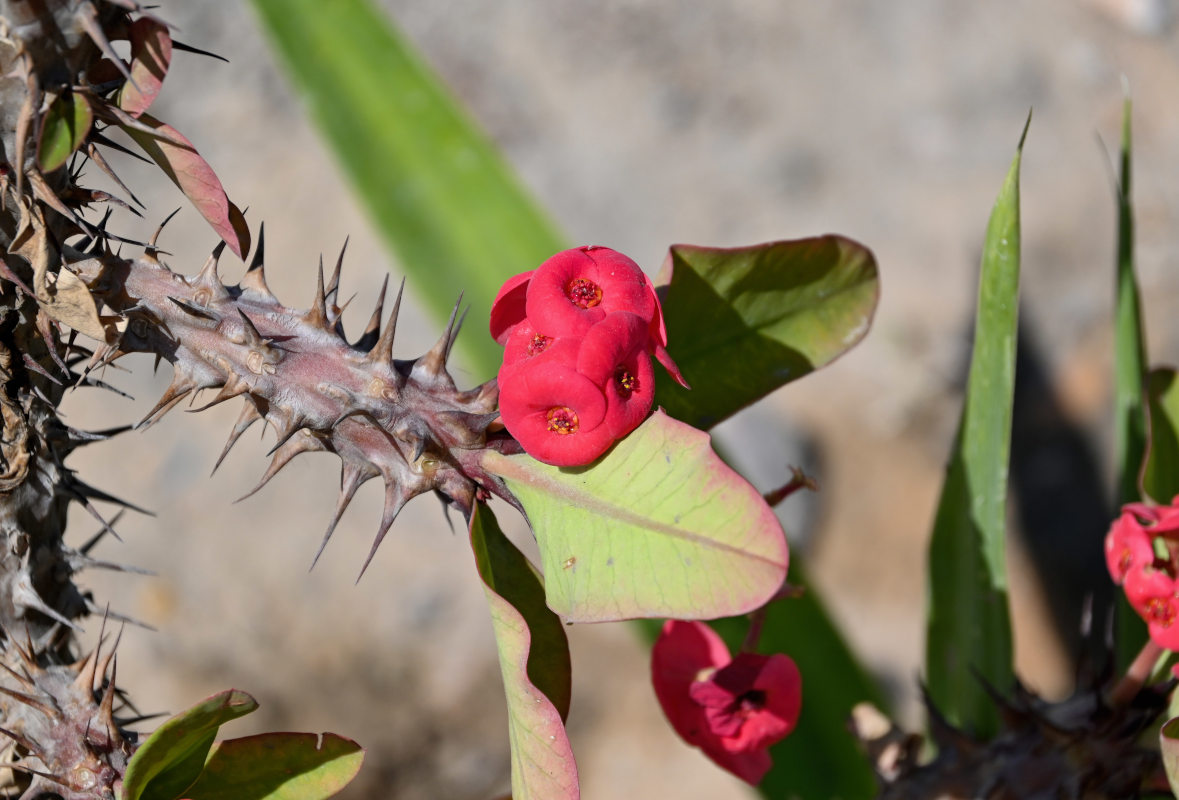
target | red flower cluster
[
  {"x": 1142, "y": 553},
  {"x": 578, "y": 334},
  {"x": 731, "y": 708}
]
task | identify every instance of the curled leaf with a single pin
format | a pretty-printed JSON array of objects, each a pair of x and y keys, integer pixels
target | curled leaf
[
  {"x": 63, "y": 129},
  {"x": 151, "y": 53},
  {"x": 534, "y": 659},
  {"x": 61, "y": 293},
  {"x": 181, "y": 162},
  {"x": 278, "y": 766},
  {"x": 169, "y": 760}
]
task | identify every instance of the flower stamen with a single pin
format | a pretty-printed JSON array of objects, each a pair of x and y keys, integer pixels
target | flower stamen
[
  {"x": 562, "y": 420},
  {"x": 583, "y": 293}
]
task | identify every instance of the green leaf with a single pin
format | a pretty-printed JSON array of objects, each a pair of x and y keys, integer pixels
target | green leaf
[
  {"x": 743, "y": 321},
  {"x": 63, "y": 129},
  {"x": 658, "y": 527},
  {"x": 1169, "y": 744},
  {"x": 534, "y": 659},
  {"x": 438, "y": 191},
  {"x": 969, "y": 625},
  {"x": 278, "y": 766},
  {"x": 1129, "y": 380},
  {"x": 1160, "y": 473},
  {"x": 170, "y": 759}
]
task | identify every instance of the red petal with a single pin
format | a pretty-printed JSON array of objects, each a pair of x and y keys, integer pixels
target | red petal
[
  {"x": 682, "y": 651},
  {"x": 625, "y": 411},
  {"x": 664, "y": 358},
  {"x": 619, "y": 278},
  {"x": 507, "y": 309},
  {"x": 750, "y": 767},
  {"x": 519, "y": 350},
  {"x": 537, "y": 386},
  {"x": 610, "y": 343},
  {"x": 1127, "y": 547}
]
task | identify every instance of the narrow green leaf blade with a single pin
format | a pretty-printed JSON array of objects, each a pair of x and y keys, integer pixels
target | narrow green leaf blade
[
  {"x": 278, "y": 766},
  {"x": 658, "y": 527},
  {"x": 1160, "y": 473},
  {"x": 452, "y": 211},
  {"x": 170, "y": 759},
  {"x": 1130, "y": 366},
  {"x": 63, "y": 129},
  {"x": 743, "y": 321},
  {"x": 969, "y": 625},
  {"x": 1129, "y": 348},
  {"x": 534, "y": 659}
]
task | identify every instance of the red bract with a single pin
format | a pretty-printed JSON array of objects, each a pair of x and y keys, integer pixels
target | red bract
[
  {"x": 555, "y": 413},
  {"x": 1127, "y": 546},
  {"x": 1152, "y": 593},
  {"x": 577, "y": 288},
  {"x": 733, "y": 709},
  {"x": 593, "y": 311},
  {"x": 507, "y": 310},
  {"x": 612, "y": 356}
]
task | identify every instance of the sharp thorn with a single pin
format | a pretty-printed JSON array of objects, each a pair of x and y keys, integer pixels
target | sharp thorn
[
  {"x": 372, "y": 331},
  {"x": 248, "y": 416},
  {"x": 394, "y": 501},
  {"x": 187, "y": 48},
  {"x": 195, "y": 311},
  {"x": 350, "y": 481},
  {"x": 382, "y": 351}
]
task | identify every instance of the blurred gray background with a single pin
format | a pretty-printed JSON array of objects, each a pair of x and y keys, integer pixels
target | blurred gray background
[{"x": 640, "y": 124}]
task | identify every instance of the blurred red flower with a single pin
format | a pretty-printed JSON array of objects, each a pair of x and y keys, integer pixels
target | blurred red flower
[{"x": 733, "y": 709}]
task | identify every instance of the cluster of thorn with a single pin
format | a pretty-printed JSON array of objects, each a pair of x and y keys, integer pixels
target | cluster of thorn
[
  {"x": 1085, "y": 747},
  {"x": 70, "y": 743},
  {"x": 404, "y": 421}
]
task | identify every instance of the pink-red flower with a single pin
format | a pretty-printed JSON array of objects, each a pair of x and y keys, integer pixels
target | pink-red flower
[
  {"x": 733, "y": 709},
  {"x": 586, "y": 319},
  {"x": 1142, "y": 555}
]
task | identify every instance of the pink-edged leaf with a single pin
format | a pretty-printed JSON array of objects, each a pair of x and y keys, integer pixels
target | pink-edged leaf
[
  {"x": 278, "y": 766},
  {"x": 151, "y": 53},
  {"x": 181, "y": 162},
  {"x": 658, "y": 527},
  {"x": 534, "y": 659},
  {"x": 63, "y": 129}
]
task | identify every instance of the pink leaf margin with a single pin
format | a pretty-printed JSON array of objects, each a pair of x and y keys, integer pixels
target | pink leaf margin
[
  {"x": 151, "y": 55},
  {"x": 543, "y": 765},
  {"x": 181, "y": 162}
]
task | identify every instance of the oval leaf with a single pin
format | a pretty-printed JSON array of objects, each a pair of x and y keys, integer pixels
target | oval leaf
[
  {"x": 170, "y": 759},
  {"x": 180, "y": 161},
  {"x": 151, "y": 53},
  {"x": 278, "y": 766},
  {"x": 63, "y": 129},
  {"x": 1160, "y": 470},
  {"x": 658, "y": 527},
  {"x": 743, "y": 321},
  {"x": 534, "y": 659}
]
